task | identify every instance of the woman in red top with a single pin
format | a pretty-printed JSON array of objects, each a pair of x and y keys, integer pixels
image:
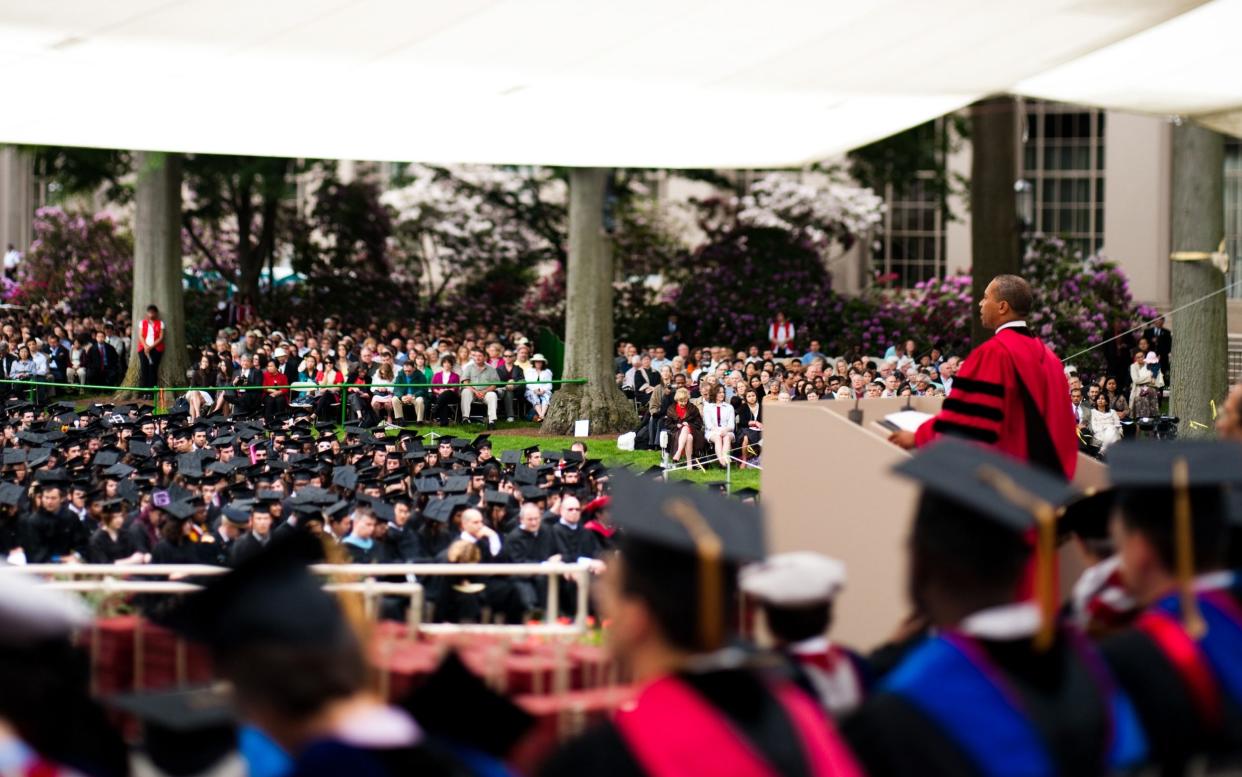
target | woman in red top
[
  {"x": 275, "y": 399},
  {"x": 685, "y": 425}
]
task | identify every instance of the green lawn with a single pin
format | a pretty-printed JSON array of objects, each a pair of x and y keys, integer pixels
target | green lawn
[{"x": 516, "y": 436}]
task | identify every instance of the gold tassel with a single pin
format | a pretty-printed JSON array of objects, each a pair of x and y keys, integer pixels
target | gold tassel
[
  {"x": 1045, "y": 516},
  {"x": 710, "y": 551},
  {"x": 1183, "y": 539}
]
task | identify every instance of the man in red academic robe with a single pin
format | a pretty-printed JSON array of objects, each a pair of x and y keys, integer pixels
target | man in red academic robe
[{"x": 1011, "y": 392}]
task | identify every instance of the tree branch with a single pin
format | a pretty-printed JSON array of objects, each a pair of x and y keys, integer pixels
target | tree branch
[{"x": 188, "y": 222}]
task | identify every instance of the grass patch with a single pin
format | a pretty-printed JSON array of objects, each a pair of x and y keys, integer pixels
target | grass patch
[{"x": 512, "y": 438}]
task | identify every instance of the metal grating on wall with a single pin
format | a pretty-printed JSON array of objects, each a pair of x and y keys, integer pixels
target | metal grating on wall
[{"x": 1235, "y": 359}]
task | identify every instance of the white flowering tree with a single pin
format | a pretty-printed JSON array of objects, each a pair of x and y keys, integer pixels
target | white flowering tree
[
  {"x": 458, "y": 222},
  {"x": 830, "y": 213}
]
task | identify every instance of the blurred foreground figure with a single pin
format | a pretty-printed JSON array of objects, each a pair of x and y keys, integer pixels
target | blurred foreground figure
[
  {"x": 298, "y": 671},
  {"x": 797, "y": 591},
  {"x": 49, "y": 725},
  {"x": 1182, "y": 660},
  {"x": 703, "y": 708},
  {"x": 998, "y": 691}
]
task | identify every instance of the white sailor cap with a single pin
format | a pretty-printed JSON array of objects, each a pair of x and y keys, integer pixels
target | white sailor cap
[
  {"x": 31, "y": 613},
  {"x": 798, "y": 579}
]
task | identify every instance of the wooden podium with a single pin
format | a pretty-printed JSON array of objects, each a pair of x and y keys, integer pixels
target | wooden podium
[{"x": 828, "y": 486}]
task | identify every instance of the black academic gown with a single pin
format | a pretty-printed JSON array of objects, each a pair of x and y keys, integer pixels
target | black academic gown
[
  {"x": 740, "y": 696},
  {"x": 523, "y": 547},
  {"x": 574, "y": 544},
  {"x": 246, "y": 547},
  {"x": 48, "y": 536},
  {"x": 892, "y": 735},
  {"x": 105, "y": 550}
]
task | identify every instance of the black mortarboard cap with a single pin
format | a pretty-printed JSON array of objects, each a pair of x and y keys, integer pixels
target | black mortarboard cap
[
  {"x": 525, "y": 476},
  {"x": 139, "y": 448},
  {"x": 452, "y": 700},
  {"x": 10, "y": 494},
  {"x": 510, "y": 457},
  {"x": 179, "y": 510},
  {"x": 496, "y": 497},
  {"x": 687, "y": 539},
  {"x": 572, "y": 457},
  {"x": 482, "y": 441},
  {"x": 428, "y": 485},
  {"x": 14, "y": 456},
  {"x": 269, "y": 599},
  {"x": 456, "y": 484},
  {"x": 971, "y": 476},
  {"x": 1149, "y": 464},
  {"x": 533, "y": 492},
  {"x": 38, "y": 456},
  {"x": 383, "y": 511},
  {"x": 336, "y": 510},
  {"x": 345, "y": 477},
  {"x": 105, "y": 459},
  {"x": 530, "y": 450},
  {"x": 1087, "y": 515},
  {"x": 237, "y": 513},
  {"x": 184, "y": 731}
]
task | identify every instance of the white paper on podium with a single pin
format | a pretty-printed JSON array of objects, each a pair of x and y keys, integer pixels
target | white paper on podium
[{"x": 907, "y": 420}]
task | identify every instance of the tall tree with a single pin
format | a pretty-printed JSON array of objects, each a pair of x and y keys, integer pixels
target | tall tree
[
  {"x": 157, "y": 261},
  {"x": 1200, "y": 357},
  {"x": 993, "y": 206},
  {"x": 233, "y": 217},
  {"x": 588, "y": 317}
]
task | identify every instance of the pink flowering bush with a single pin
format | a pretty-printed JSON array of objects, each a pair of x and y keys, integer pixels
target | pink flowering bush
[{"x": 77, "y": 262}]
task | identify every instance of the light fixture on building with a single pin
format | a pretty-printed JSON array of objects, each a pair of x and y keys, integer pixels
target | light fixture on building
[{"x": 1024, "y": 200}]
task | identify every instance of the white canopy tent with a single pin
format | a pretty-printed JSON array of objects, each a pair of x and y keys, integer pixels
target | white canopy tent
[{"x": 668, "y": 83}]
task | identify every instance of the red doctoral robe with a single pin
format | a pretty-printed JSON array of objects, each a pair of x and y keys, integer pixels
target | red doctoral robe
[{"x": 1011, "y": 393}]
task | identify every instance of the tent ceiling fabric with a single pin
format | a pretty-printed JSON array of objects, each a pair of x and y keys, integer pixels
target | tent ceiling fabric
[{"x": 648, "y": 83}]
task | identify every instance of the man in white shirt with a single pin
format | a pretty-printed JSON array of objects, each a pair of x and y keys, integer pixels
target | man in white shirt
[{"x": 12, "y": 258}]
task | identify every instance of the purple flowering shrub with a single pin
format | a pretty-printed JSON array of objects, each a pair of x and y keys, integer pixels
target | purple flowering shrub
[
  {"x": 1079, "y": 301},
  {"x": 935, "y": 311},
  {"x": 732, "y": 286},
  {"x": 76, "y": 262}
]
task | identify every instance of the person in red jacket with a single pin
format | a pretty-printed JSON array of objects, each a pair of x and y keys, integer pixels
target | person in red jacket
[
  {"x": 150, "y": 347},
  {"x": 1011, "y": 392},
  {"x": 275, "y": 398}
]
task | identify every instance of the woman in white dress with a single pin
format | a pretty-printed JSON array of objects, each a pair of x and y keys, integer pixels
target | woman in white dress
[
  {"x": 539, "y": 386},
  {"x": 718, "y": 423},
  {"x": 1105, "y": 423}
]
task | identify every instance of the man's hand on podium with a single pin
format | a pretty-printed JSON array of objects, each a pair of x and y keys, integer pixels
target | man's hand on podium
[{"x": 902, "y": 439}]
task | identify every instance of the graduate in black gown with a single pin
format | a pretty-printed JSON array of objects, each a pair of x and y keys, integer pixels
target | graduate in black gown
[
  {"x": 997, "y": 691},
  {"x": 298, "y": 671},
  {"x": 1181, "y": 661},
  {"x": 703, "y": 708}
]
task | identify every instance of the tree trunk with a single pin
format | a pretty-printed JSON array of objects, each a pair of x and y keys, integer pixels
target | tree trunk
[
  {"x": 1200, "y": 357},
  {"x": 157, "y": 263},
  {"x": 588, "y": 318},
  {"x": 993, "y": 208}
]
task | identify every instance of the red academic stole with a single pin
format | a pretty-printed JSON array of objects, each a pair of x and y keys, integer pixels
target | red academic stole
[{"x": 673, "y": 732}]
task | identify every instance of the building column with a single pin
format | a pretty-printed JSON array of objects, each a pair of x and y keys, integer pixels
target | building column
[{"x": 17, "y": 199}]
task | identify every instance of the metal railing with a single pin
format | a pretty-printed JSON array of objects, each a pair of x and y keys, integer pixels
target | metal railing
[
  {"x": 301, "y": 387},
  {"x": 116, "y": 579}
]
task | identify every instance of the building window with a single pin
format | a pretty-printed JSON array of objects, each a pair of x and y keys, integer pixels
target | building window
[
  {"x": 1233, "y": 212},
  {"x": 1063, "y": 164},
  {"x": 912, "y": 245}
]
